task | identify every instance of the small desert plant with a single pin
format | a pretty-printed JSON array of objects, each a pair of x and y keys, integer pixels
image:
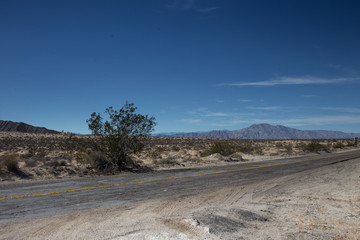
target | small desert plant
[
  {"x": 351, "y": 143},
  {"x": 156, "y": 153},
  {"x": 289, "y": 147},
  {"x": 31, "y": 162},
  {"x": 80, "y": 157},
  {"x": 247, "y": 148},
  {"x": 98, "y": 160},
  {"x": 41, "y": 152},
  {"x": 339, "y": 145},
  {"x": 62, "y": 163},
  {"x": 192, "y": 160},
  {"x": 167, "y": 161},
  {"x": 175, "y": 148},
  {"x": 12, "y": 162},
  {"x": 257, "y": 150},
  {"x": 223, "y": 148},
  {"x": 72, "y": 142},
  {"x": 315, "y": 146}
]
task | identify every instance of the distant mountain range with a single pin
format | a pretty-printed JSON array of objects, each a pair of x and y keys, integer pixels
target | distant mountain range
[
  {"x": 267, "y": 131},
  {"x": 256, "y": 131},
  {"x": 9, "y": 126}
]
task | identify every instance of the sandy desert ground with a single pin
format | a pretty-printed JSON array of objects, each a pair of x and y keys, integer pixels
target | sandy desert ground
[{"x": 54, "y": 156}]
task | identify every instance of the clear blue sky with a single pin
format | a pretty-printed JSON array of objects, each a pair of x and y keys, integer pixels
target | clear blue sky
[{"x": 195, "y": 65}]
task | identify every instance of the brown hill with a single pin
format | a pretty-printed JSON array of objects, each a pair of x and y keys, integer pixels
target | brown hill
[{"x": 9, "y": 126}]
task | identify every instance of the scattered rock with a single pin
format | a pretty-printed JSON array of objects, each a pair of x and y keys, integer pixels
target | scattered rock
[
  {"x": 193, "y": 222},
  {"x": 215, "y": 157}
]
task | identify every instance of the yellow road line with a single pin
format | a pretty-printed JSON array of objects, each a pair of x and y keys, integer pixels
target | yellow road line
[{"x": 158, "y": 180}]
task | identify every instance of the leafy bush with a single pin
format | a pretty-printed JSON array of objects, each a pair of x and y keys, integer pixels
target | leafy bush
[
  {"x": 120, "y": 135},
  {"x": 223, "y": 148}
]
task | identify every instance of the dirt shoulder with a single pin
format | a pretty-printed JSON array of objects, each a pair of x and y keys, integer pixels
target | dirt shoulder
[{"x": 322, "y": 203}]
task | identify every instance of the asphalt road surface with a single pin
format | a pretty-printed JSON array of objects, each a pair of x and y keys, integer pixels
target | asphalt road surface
[{"x": 29, "y": 199}]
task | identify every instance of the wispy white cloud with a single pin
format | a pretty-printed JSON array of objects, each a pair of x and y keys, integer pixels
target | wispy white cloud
[
  {"x": 241, "y": 118},
  {"x": 324, "y": 120},
  {"x": 342, "y": 109},
  {"x": 231, "y": 122},
  {"x": 198, "y": 111},
  {"x": 301, "y": 108},
  {"x": 204, "y": 112},
  {"x": 216, "y": 114},
  {"x": 272, "y": 108},
  {"x": 292, "y": 81},
  {"x": 221, "y": 124},
  {"x": 244, "y": 100},
  {"x": 191, "y": 120},
  {"x": 291, "y": 122},
  {"x": 312, "y": 121}
]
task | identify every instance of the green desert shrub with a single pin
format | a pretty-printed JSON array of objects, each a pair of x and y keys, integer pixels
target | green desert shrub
[
  {"x": 315, "y": 146},
  {"x": 120, "y": 134},
  {"x": 223, "y": 148}
]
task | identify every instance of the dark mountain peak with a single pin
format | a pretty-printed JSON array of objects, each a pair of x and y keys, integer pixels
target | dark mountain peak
[
  {"x": 261, "y": 126},
  {"x": 9, "y": 126},
  {"x": 265, "y": 126}
]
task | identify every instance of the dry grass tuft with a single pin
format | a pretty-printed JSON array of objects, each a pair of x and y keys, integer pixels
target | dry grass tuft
[
  {"x": 31, "y": 162},
  {"x": 12, "y": 162},
  {"x": 170, "y": 160}
]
